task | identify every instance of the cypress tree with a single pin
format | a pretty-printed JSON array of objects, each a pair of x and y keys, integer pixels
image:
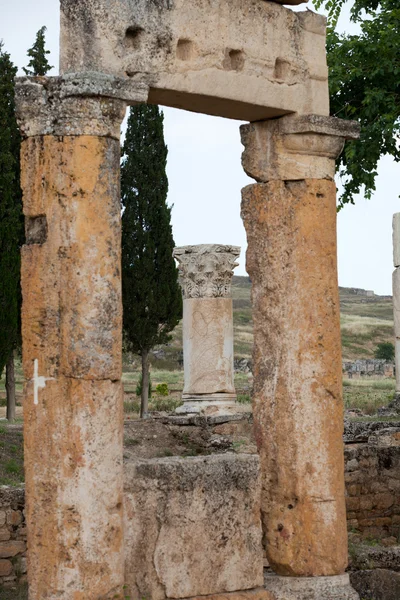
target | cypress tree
[
  {"x": 151, "y": 296},
  {"x": 11, "y": 227},
  {"x": 39, "y": 65}
]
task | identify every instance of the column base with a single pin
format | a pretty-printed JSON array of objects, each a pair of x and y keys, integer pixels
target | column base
[
  {"x": 335, "y": 587},
  {"x": 208, "y": 404}
]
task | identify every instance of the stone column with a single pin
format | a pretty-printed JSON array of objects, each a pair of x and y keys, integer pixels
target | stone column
[
  {"x": 290, "y": 220},
  {"x": 205, "y": 277},
  {"x": 71, "y": 328},
  {"x": 396, "y": 298}
]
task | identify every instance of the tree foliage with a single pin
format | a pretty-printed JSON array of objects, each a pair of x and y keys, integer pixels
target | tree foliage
[
  {"x": 10, "y": 212},
  {"x": 364, "y": 83},
  {"x": 385, "y": 351},
  {"x": 151, "y": 295},
  {"x": 38, "y": 65}
]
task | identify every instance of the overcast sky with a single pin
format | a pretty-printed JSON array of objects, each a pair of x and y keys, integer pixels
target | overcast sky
[{"x": 205, "y": 174}]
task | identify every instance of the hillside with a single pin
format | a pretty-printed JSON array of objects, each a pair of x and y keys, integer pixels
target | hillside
[{"x": 365, "y": 321}]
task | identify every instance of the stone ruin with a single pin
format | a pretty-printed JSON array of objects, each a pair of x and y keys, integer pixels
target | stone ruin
[
  {"x": 183, "y": 527},
  {"x": 205, "y": 276}
]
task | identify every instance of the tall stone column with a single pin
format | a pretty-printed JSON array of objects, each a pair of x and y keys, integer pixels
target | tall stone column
[
  {"x": 71, "y": 328},
  {"x": 396, "y": 298},
  {"x": 290, "y": 220},
  {"x": 205, "y": 276}
]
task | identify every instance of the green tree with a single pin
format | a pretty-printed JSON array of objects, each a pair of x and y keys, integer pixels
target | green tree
[
  {"x": 151, "y": 295},
  {"x": 38, "y": 65},
  {"x": 385, "y": 351},
  {"x": 364, "y": 83},
  {"x": 10, "y": 227}
]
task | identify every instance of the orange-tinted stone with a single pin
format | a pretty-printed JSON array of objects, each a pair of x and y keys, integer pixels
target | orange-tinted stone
[
  {"x": 297, "y": 401},
  {"x": 71, "y": 324}
]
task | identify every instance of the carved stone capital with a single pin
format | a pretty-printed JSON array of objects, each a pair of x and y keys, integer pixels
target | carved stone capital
[
  {"x": 295, "y": 147},
  {"x": 86, "y": 104},
  {"x": 206, "y": 270}
]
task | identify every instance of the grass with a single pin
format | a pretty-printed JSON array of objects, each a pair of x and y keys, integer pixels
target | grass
[
  {"x": 11, "y": 456},
  {"x": 368, "y": 394}
]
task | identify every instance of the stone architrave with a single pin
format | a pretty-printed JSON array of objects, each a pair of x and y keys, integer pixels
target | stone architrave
[
  {"x": 290, "y": 220},
  {"x": 72, "y": 351},
  {"x": 396, "y": 296},
  {"x": 206, "y": 274},
  {"x": 240, "y": 59}
]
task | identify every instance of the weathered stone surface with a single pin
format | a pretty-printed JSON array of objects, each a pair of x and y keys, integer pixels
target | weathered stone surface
[
  {"x": 297, "y": 402},
  {"x": 264, "y": 61},
  {"x": 208, "y": 346},
  {"x": 376, "y": 584},
  {"x": 72, "y": 313},
  {"x": 375, "y": 557},
  {"x": 5, "y": 568},
  {"x": 205, "y": 277},
  {"x": 310, "y": 588},
  {"x": 360, "y": 431},
  {"x": 396, "y": 315},
  {"x": 293, "y": 147},
  {"x": 396, "y": 239},
  {"x": 11, "y": 548},
  {"x": 71, "y": 327},
  {"x": 192, "y": 526},
  {"x": 387, "y": 437},
  {"x": 55, "y": 106},
  {"x": 258, "y": 594}
]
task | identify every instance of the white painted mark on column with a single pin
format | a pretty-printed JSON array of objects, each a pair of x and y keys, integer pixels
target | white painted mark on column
[{"x": 39, "y": 382}]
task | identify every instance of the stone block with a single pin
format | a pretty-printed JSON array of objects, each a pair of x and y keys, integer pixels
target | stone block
[
  {"x": 4, "y": 535},
  {"x": 14, "y": 517},
  {"x": 265, "y": 60},
  {"x": 336, "y": 587},
  {"x": 376, "y": 584},
  {"x": 5, "y": 567},
  {"x": 11, "y": 548},
  {"x": 2, "y": 517},
  {"x": 192, "y": 526},
  {"x": 258, "y": 594}
]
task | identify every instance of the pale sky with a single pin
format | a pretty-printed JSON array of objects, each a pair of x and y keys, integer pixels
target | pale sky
[{"x": 205, "y": 173}]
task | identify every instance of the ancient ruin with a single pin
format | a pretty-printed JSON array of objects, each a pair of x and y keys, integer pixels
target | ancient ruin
[
  {"x": 205, "y": 276},
  {"x": 252, "y": 60}
]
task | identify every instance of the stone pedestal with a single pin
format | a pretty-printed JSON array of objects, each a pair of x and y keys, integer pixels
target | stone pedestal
[
  {"x": 396, "y": 296},
  {"x": 290, "y": 220},
  {"x": 71, "y": 329},
  {"x": 205, "y": 276}
]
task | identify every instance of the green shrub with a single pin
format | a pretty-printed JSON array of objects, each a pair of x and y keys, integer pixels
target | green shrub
[
  {"x": 162, "y": 389},
  {"x": 385, "y": 351}
]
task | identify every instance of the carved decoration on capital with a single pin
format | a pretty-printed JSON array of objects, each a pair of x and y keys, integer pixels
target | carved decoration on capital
[
  {"x": 206, "y": 270},
  {"x": 295, "y": 147},
  {"x": 59, "y": 106}
]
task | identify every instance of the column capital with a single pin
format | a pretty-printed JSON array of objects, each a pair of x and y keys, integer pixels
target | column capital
[
  {"x": 295, "y": 147},
  {"x": 85, "y": 104},
  {"x": 206, "y": 270}
]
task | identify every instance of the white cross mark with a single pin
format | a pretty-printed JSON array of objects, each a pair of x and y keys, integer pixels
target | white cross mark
[{"x": 39, "y": 382}]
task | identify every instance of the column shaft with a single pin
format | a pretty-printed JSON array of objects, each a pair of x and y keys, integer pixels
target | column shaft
[
  {"x": 73, "y": 406},
  {"x": 298, "y": 410}
]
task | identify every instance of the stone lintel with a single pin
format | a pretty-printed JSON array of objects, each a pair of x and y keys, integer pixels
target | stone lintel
[
  {"x": 396, "y": 239},
  {"x": 295, "y": 147},
  {"x": 206, "y": 270},
  {"x": 336, "y": 587},
  {"x": 88, "y": 104}
]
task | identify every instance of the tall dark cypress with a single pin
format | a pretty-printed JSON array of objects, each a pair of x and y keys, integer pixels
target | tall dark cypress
[
  {"x": 152, "y": 300},
  {"x": 39, "y": 65},
  {"x": 11, "y": 228}
]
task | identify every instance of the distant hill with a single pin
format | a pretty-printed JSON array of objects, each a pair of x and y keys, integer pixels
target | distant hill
[{"x": 366, "y": 320}]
